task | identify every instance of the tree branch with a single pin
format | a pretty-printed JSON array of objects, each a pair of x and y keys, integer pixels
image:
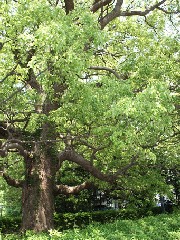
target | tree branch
[
  {"x": 86, "y": 165},
  {"x": 99, "y": 4},
  {"x": 12, "y": 72},
  {"x": 69, "y": 5},
  {"x": 153, "y": 27},
  {"x": 13, "y": 144},
  {"x": 12, "y": 182},
  {"x": 142, "y": 13},
  {"x": 7, "y": 131},
  {"x": 18, "y": 120},
  {"x": 66, "y": 190},
  {"x": 32, "y": 81},
  {"x": 116, "y": 12},
  {"x": 107, "y": 69},
  {"x": 161, "y": 141},
  {"x": 72, "y": 156},
  {"x": 112, "y": 15},
  {"x": 123, "y": 170},
  {"x": 168, "y": 12},
  {"x": 3, "y": 131},
  {"x": 13, "y": 94}
]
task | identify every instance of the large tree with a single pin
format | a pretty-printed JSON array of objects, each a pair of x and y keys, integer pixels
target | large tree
[{"x": 86, "y": 83}]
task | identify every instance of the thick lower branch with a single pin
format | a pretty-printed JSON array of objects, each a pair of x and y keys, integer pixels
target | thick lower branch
[
  {"x": 112, "y": 15},
  {"x": 72, "y": 156},
  {"x": 13, "y": 144},
  {"x": 66, "y": 190},
  {"x": 12, "y": 182}
]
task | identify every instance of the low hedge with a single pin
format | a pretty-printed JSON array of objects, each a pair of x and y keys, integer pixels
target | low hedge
[
  {"x": 71, "y": 220},
  {"x": 81, "y": 219},
  {"x": 10, "y": 224}
]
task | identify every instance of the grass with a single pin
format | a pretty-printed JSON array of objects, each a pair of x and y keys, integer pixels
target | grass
[{"x": 161, "y": 227}]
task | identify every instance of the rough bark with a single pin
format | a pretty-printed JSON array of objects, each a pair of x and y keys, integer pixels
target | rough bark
[
  {"x": 69, "y": 5},
  {"x": 39, "y": 189},
  {"x": 67, "y": 190},
  {"x": 37, "y": 195},
  {"x": 37, "y": 192}
]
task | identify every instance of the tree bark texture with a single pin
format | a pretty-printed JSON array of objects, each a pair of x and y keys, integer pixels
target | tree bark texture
[
  {"x": 37, "y": 191},
  {"x": 37, "y": 196}
]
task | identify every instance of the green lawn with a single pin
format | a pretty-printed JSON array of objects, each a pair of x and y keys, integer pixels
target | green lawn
[{"x": 160, "y": 227}]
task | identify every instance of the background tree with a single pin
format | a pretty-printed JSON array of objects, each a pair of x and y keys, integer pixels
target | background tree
[{"x": 71, "y": 93}]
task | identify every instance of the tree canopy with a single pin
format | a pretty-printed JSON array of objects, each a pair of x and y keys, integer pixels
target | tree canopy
[{"x": 93, "y": 83}]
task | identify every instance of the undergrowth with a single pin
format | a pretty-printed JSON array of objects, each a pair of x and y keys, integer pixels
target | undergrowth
[{"x": 161, "y": 227}]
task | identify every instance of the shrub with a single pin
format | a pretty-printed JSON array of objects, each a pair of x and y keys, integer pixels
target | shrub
[
  {"x": 81, "y": 219},
  {"x": 160, "y": 227},
  {"x": 70, "y": 220},
  {"x": 10, "y": 224}
]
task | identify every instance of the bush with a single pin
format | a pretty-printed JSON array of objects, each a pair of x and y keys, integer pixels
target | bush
[
  {"x": 160, "y": 227},
  {"x": 81, "y": 219},
  {"x": 70, "y": 220},
  {"x": 10, "y": 224}
]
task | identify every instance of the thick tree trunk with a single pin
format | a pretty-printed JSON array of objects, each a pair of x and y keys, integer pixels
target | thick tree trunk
[
  {"x": 38, "y": 188},
  {"x": 37, "y": 195}
]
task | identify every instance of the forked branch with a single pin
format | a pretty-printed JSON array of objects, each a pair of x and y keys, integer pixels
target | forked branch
[
  {"x": 117, "y": 11},
  {"x": 72, "y": 156}
]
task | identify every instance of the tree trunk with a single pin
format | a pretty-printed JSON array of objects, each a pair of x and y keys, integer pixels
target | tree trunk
[
  {"x": 38, "y": 188},
  {"x": 37, "y": 195}
]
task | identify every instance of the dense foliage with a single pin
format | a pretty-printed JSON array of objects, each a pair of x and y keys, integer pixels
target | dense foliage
[
  {"x": 81, "y": 219},
  {"x": 161, "y": 227},
  {"x": 87, "y": 83}
]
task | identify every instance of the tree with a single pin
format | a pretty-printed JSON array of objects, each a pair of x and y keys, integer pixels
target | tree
[{"x": 74, "y": 94}]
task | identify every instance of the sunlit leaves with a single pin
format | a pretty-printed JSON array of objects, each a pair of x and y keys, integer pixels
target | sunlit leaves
[{"x": 124, "y": 117}]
